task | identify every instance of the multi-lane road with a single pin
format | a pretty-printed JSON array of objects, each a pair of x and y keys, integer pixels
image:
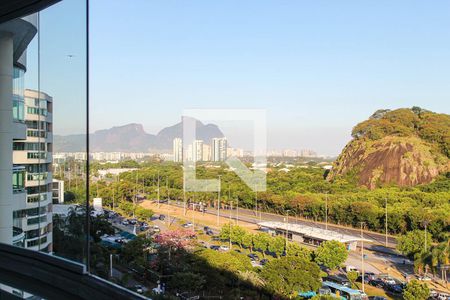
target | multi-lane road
[{"x": 250, "y": 216}]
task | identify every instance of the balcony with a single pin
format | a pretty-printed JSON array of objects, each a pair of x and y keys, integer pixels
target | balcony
[
  {"x": 18, "y": 237},
  {"x": 49, "y": 277},
  {"x": 31, "y": 157}
]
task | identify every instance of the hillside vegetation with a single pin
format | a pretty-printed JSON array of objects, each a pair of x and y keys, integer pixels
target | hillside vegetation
[{"x": 403, "y": 147}]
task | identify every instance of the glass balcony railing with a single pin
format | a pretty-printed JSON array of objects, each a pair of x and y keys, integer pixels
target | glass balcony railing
[
  {"x": 36, "y": 155},
  {"x": 36, "y": 198},
  {"x": 37, "y": 176},
  {"x": 18, "y": 179}
]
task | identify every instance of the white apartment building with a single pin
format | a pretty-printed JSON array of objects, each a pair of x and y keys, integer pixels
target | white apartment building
[
  {"x": 177, "y": 150},
  {"x": 25, "y": 145},
  {"x": 236, "y": 152},
  {"x": 33, "y": 155},
  {"x": 206, "y": 155},
  {"x": 58, "y": 191},
  {"x": 197, "y": 150},
  {"x": 219, "y": 149}
]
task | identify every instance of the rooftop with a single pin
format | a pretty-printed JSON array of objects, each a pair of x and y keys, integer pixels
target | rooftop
[{"x": 313, "y": 232}]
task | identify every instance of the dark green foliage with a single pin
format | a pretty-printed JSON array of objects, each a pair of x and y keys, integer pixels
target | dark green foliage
[{"x": 287, "y": 276}]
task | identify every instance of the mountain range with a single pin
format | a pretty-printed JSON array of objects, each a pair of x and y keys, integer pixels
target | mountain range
[{"x": 132, "y": 138}]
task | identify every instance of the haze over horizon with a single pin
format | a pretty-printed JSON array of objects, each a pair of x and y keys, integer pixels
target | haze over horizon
[{"x": 317, "y": 68}]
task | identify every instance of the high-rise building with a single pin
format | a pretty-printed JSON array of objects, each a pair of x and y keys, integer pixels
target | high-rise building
[
  {"x": 236, "y": 152},
  {"x": 33, "y": 154},
  {"x": 219, "y": 149},
  {"x": 177, "y": 150},
  {"x": 197, "y": 150},
  {"x": 15, "y": 36},
  {"x": 206, "y": 152}
]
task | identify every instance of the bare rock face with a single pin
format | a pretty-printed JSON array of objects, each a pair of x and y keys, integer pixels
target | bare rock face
[
  {"x": 390, "y": 160},
  {"x": 386, "y": 152}
]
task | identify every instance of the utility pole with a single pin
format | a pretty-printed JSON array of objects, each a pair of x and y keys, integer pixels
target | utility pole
[
  {"x": 230, "y": 224},
  {"x": 168, "y": 201},
  {"x": 362, "y": 257},
  {"x": 326, "y": 211},
  {"x": 287, "y": 229},
  {"x": 256, "y": 202},
  {"x": 237, "y": 210},
  {"x": 386, "y": 221},
  {"x": 159, "y": 204},
  {"x": 184, "y": 194},
  {"x": 218, "y": 201},
  {"x": 425, "y": 246}
]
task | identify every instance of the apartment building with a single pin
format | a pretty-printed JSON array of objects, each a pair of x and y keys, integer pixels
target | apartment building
[
  {"x": 33, "y": 154},
  {"x": 177, "y": 150},
  {"x": 219, "y": 149}
]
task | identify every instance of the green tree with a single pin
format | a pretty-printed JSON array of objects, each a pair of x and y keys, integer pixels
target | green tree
[
  {"x": 187, "y": 282},
  {"x": 323, "y": 297},
  {"x": 261, "y": 242},
  {"x": 247, "y": 241},
  {"x": 294, "y": 249},
  {"x": 287, "y": 276},
  {"x": 352, "y": 276},
  {"x": 331, "y": 254},
  {"x": 416, "y": 291},
  {"x": 276, "y": 245},
  {"x": 413, "y": 242}
]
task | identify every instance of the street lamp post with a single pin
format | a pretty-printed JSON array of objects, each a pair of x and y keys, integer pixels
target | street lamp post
[
  {"x": 386, "y": 222},
  {"x": 218, "y": 201},
  {"x": 362, "y": 257},
  {"x": 184, "y": 194},
  {"x": 326, "y": 211},
  {"x": 287, "y": 228}
]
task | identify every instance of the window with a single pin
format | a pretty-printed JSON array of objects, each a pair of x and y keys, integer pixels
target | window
[{"x": 18, "y": 180}]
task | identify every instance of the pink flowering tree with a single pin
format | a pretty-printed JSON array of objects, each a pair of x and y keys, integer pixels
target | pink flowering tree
[{"x": 176, "y": 239}]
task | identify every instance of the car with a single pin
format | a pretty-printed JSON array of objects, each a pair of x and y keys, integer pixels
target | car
[
  {"x": 162, "y": 217},
  {"x": 210, "y": 232},
  {"x": 377, "y": 298},
  {"x": 214, "y": 247},
  {"x": 119, "y": 241},
  {"x": 224, "y": 248},
  {"x": 377, "y": 283},
  {"x": 264, "y": 261},
  {"x": 425, "y": 278},
  {"x": 139, "y": 289},
  {"x": 187, "y": 225},
  {"x": 125, "y": 222},
  {"x": 133, "y": 221},
  {"x": 255, "y": 264},
  {"x": 206, "y": 228},
  {"x": 144, "y": 224},
  {"x": 253, "y": 256},
  {"x": 395, "y": 288}
]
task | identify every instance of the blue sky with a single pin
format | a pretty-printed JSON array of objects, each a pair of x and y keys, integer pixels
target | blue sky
[{"x": 317, "y": 67}]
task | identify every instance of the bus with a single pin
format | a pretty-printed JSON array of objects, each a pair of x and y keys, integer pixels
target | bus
[
  {"x": 343, "y": 292},
  {"x": 339, "y": 279}
]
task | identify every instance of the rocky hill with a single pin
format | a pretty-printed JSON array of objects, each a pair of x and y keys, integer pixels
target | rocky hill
[
  {"x": 132, "y": 138},
  {"x": 404, "y": 147}
]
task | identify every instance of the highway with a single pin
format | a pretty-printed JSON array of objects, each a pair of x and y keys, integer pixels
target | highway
[{"x": 247, "y": 215}]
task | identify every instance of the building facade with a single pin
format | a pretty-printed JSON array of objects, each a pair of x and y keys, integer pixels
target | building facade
[
  {"x": 15, "y": 35},
  {"x": 219, "y": 149},
  {"x": 177, "y": 150},
  {"x": 33, "y": 154}
]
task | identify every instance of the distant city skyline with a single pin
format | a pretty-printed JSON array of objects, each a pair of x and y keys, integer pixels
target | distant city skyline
[{"x": 318, "y": 68}]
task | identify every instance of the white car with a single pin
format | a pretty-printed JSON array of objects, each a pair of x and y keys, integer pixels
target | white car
[
  {"x": 138, "y": 288},
  {"x": 224, "y": 248},
  {"x": 125, "y": 222}
]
